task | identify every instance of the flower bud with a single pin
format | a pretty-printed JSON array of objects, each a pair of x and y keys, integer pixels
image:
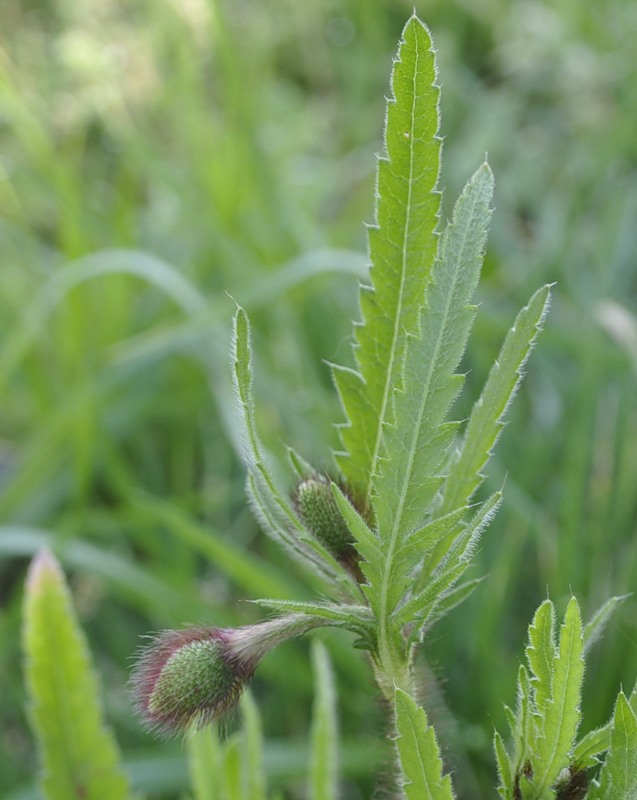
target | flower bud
[
  {"x": 319, "y": 512},
  {"x": 191, "y": 677}
]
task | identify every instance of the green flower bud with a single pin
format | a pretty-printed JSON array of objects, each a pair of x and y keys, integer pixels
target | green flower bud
[
  {"x": 320, "y": 514},
  {"x": 188, "y": 678}
]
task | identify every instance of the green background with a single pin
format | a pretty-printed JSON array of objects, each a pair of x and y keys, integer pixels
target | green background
[{"x": 160, "y": 158}]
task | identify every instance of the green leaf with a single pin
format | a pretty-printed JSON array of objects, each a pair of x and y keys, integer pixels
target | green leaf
[
  {"x": 558, "y": 727},
  {"x": 354, "y": 617},
  {"x": 618, "y": 778},
  {"x": 324, "y": 763},
  {"x": 78, "y": 754},
  {"x": 487, "y": 417},
  {"x": 594, "y": 628},
  {"x": 415, "y": 445},
  {"x": 419, "y": 753},
  {"x": 540, "y": 653},
  {"x": 253, "y": 772},
  {"x": 272, "y": 507},
  {"x": 590, "y": 746},
  {"x": 402, "y": 248},
  {"x": 205, "y": 758},
  {"x": 504, "y": 766},
  {"x": 421, "y": 604}
]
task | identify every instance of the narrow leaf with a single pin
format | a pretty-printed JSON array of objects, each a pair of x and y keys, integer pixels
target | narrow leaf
[
  {"x": 504, "y": 766},
  {"x": 353, "y": 617},
  {"x": 595, "y": 627},
  {"x": 487, "y": 417},
  {"x": 78, "y": 753},
  {"x": 590, "y": 746},
  {"x": 324, "y": 764},
  {"x": 273, "y": 507},
  {"x": 540, "y": 653},
  {"x": 419, "y": 753},
  {"x": 402, "y": 247}
]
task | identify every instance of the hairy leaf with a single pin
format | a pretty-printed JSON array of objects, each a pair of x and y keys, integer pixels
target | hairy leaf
[
  {"x": 561, "y": 715},
  {"x": 419, "y": 753},
  {"x": 590, "y": 746},
  {"x": 505, "y": 772},
  {"x": 355, "y": 618},
  {"x": 618, "y": 778},
  {"x": 487, "y": 417},
  {"x": 415, "y": 445},
  {"x": 78, "y": 753},
  {"x": 324, "y": 764},
  {"x": 402, "y": 247},
  {"x": 540, "y": 653},
  {"x": 273, "y": 508},
  {"x": 595, "y": 627}
]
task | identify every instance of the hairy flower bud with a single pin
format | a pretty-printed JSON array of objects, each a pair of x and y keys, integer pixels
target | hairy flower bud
[
  {"x": 190, "y": 677},
  {"x": 319, "y": 512}
]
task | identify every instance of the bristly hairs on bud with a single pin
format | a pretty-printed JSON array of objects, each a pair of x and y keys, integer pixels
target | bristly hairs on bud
[
  {"x": 187, "y": 679},
  {"x": 320, "y": 514}
]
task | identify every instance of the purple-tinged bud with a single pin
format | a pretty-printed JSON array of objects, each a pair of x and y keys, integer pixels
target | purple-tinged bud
[{"x": 188, "y": 678}]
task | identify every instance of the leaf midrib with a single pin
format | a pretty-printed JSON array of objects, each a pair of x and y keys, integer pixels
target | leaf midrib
[
  {"x": 425, "y": 396},
  {"x": 403, "y": 272}
]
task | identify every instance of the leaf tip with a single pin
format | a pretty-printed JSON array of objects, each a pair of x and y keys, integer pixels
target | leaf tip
[{"x": 43, "y": 565}]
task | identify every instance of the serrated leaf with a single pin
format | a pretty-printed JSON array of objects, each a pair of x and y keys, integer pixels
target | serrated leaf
[
  {"x": 415, "y": 445},
  {"x": 252, "y": 772},
  {"x": 272, "y": 506},
  {"x": 561, "y": 715},
  {"x": 487, "y": 417},
  {"x": 419, "y": 754},
  {"x": 78, "y": 754},
  {"x": 618, "y": 778},
  {"x": 402, "y": 247},
  {"x": 324, "y": 758},
  {"x": 452, "y": 599},
  {"x": 540, "y": 653},
  {"x": 421, "y": 605}
]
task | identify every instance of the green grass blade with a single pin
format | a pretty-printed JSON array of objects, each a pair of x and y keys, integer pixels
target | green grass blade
[
  {"x": 419, "y": 753},
  {"x": 618, "y": 778},
  {"x": 324, "y": 757},
  {"x": 416, "y": 444},
  {"x": 253, "y": 772},
  {"x": 78, "y": 753},
  {"x": 402, "y": 248},
  {"x": 487, "y": 417},
  {"x": 562, "y": 714},
  {"x": 204, "y": 764}
]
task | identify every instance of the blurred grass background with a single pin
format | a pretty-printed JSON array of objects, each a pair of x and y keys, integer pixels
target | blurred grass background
[{"x": 158, "y": 155}]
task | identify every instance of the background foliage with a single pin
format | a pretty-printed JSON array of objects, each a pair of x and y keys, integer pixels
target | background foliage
[{"x": 231, "y": 146}]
